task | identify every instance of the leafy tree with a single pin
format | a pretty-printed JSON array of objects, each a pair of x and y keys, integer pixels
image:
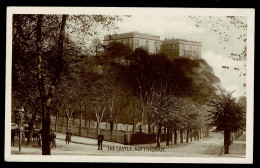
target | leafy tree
[
  {"x": 46, "y": 96},
  {"x": 226, "y": 115},
  {"x": 42, "y": 50},
  {"x": 161, "y": 110},
  {"x": 25, "y": 93},
  {"x": 155, "y": 78}
]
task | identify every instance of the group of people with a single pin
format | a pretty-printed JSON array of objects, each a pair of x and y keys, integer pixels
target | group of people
[
  {"x": 52, "y": 137},
  {"x": 100, "y": 139},
  {"x": 36, "y": 136}
]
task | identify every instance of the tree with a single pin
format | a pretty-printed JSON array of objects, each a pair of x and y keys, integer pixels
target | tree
[
  {"x": 42, "y": 46},
  {"x": 25, "y": 93},
  {"x": 161, "y": 113},
  {"x": 155, "y": 80},
  {"x": 46, "y": 97},
  {"x": 226, "y": 115}
]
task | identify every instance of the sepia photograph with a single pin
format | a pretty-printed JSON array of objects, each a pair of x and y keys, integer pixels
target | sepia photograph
[{"x": 135, "y": 85}]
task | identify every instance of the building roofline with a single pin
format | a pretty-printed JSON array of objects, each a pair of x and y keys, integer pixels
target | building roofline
[{"x": 131, "y": 35}]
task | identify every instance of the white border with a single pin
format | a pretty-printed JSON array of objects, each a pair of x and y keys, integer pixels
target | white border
[{"x": 249, "y": 13}]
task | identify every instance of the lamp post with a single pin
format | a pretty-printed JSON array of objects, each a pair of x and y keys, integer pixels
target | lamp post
[{"x": 20, "y": 112}]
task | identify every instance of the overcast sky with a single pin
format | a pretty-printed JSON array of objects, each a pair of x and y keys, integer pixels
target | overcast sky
[{"x": 212, "y": 51}]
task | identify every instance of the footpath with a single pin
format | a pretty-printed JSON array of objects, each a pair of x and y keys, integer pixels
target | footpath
[
  {"x": 237, "y": 148},
  {"x": 85, "y": 140},
  {"x": 211, "y": 146}
]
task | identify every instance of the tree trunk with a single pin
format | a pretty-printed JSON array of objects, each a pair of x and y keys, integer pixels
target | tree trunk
[
  {"x": 30, "y": 133},
  {"x": 141, "y": 122},
  {"x": 187, "y": 136},
  {"x": 98, "y": 127},
  {"x": 47, "y": 98},
  {"x": 45, "y": 132},
  {"x": 73, "y": 119},
  {"x": 191, "y": 135},
  {"x": 133, "y": 115},
  {"x": 85, "y": 116},
  {"x": 56, "y": 120},
  {"x": 111, "y": 129},
  {"x": 62, "y": 124},
  {"x": 149, "y": 126},
  {"x": 167, "y": 137},
  {"x": 175, "y": 136},
  {"x": 226, "y": 141},
  {"x": 116, "y": 131},
  {"x": 181, "y": 136},
  {"x": 171, "y": 135},
  {"x": 89, "y": 118},
  {"x": 140, "y": 128},
  {"x": 80, "y": 121},
  {"x": 200, "y": 133},
  {"x": 45, "y": 113},
  {"x": 67, "y": 125},
  {"x": 159, "y": 135}
]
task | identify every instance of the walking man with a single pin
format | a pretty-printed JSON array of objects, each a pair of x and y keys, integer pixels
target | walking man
[
  {"x": 100, "y": 140},
  {"x": 68, "y": 137},
  {"x": 12, "y": 137},
  {"x": 53, "y": 139}
]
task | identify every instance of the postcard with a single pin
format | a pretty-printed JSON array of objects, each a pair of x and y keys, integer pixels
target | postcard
[{"x": 135, "y": 85}]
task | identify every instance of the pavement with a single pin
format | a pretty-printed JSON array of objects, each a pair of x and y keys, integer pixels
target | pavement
[
  {"x": 85, "y": 141},
  {"x": 211, "y": 146},
  {"x": 237, "y": 148}
]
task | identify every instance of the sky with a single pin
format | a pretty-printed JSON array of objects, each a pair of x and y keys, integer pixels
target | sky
[{"x": 214, "y": 52}]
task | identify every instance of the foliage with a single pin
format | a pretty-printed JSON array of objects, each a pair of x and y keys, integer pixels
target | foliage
[
  {"x": 45, "y": 51},
  {"x": 224, "y": 27},
  {"x": 226, "y": 113},
  {"x": 231, "y": 33}
]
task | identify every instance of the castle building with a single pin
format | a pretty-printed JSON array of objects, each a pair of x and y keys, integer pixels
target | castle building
[
  {"x": 181, "y": 48},
  {"x": 151, "y": 43},
  {"x": 171, "y": 47}
]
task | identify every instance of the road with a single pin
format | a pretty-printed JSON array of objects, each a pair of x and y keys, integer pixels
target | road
[{"x": 207, "y": 147}]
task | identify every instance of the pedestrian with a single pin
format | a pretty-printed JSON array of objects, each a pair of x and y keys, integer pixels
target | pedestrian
[
  {"x": 100, "y": 140},
  {"x": 125, "y": 139},
  {"x": 12, "y": 137},
  {"x": 68, "y": 137},
  {"x": 38, "y": 137},
  {"x": 34, "y": 136},
  {"x": 53, "y": 139}
]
